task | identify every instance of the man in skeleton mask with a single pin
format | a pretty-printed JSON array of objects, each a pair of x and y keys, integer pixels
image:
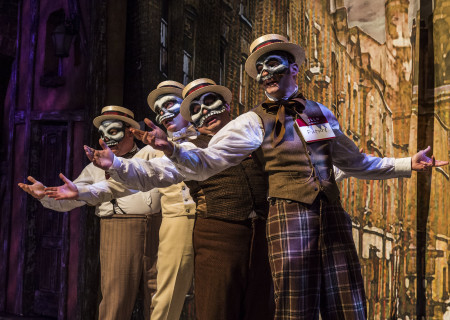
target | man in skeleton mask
[
  {"x": 175, "y": 253},
  {"x": 312, "y": 255},
  {"x": 128, "y": 226}
]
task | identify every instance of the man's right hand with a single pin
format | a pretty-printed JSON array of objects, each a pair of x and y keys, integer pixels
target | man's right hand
[
  {"x": 36, "y": 189},
  {"x": 102, "y": 159}
]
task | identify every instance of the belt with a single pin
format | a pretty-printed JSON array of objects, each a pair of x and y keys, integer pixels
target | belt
[{"x": 320, "y": 196}]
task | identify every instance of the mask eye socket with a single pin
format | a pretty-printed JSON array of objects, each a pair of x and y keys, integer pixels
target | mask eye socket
[
  {"x": 168, "y": 104},
  {"x": 259, "y": 67},
  {"x": 113, "y": 132},
  {"x": 209, "y": 99},
  {"x": 195, "y": 108},
  {"x": 273, "y": 63}
]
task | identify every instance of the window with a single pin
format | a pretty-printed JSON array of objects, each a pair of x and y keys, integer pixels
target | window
[
  {"x": 222, "y": 64},
  {"x": 244, "y": 12},
  {"x": 163, "y": 59},
  {"x": 187, "y": 68},
  {"x": 243, "y": 83},
  {"x": 288, "y": 24}
]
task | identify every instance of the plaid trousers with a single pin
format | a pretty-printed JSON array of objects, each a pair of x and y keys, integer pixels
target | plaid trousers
[{"x": 314, "y": 262}]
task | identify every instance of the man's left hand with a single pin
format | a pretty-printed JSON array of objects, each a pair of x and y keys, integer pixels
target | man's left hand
[
  {"x": 68, "y": 191},
  {"x": 421, "y": 162}
]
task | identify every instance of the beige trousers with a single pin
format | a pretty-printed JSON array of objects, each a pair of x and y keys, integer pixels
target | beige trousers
[
  {"x": 128, "y": 249},
  {"x": 175, "y": 267}
]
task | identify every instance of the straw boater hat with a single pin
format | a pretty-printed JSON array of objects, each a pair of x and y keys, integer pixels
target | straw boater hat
[
  {"x": 116, "y": 112},
  {"x": 271, "y": 42},
  {"x": 198, "y": 87},
  {"x": 164, "y": 87}
]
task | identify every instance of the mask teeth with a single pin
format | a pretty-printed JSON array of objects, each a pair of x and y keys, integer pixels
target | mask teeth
[
  {"x": 166, "y": 116},
  {"x": 267, "y": 77},
  {"x": 111, "y": 143},
  {"x": 212, "y": 113}
]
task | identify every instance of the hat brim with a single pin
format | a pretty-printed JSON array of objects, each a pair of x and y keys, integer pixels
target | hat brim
[
  {"x": 157, "y": 92},
  {"x": 292, "y": 48},
  {"x": 223, "y": 91},
  {"x": 98, "y": 120}
]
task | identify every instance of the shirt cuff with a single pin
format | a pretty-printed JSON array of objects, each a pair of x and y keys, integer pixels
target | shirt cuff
[
  {"x": 45, "y": 200},
  {"x": 84, "y": 193},
  {"x": 116, "y": 164},
  {"x": 402, "y": 167}
]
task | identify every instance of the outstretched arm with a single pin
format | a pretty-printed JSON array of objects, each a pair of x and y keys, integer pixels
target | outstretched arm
[
  {"x": 347, "y": 157},
  {"x": 232, "y": 144}
]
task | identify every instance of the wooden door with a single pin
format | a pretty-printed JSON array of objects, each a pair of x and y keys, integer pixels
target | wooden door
[{"x": 48, "y": 155}]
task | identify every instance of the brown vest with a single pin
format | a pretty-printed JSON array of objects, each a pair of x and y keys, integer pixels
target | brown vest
[
  {"x": 297, "y": 170},
  {"x": 233, "y": 193}
]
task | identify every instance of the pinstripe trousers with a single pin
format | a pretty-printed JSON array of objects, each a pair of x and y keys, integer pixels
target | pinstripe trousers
[
  {"x": 128, "y": 248},
  {"x": 314, "y": 262}
]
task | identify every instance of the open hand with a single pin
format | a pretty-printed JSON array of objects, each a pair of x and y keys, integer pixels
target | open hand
[
  {"x": 154, "y": 131},
  {"x": 36, "y": 189},
  {"x": 68, "y": 191},
  {"x": 102, "y": 159},
  {"x": 421, "y": 162},
  {"x": 157, "y": 138}
]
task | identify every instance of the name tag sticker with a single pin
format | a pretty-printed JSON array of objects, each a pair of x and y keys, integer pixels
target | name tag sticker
[{"x": 318, "y": 129}]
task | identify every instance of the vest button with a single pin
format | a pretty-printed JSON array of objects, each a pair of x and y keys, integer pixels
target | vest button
[
  {"x": 309, "y": 152},
  {"x": 316, "y": 189}
]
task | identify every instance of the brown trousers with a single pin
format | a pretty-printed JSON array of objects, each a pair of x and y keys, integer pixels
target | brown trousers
[
  {"x": 231, "y": 270},
  {"x": 128, "y": 248}
]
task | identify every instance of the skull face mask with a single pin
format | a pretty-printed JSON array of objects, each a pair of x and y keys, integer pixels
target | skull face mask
[
  {"x": 274, "y": 62},
  {"x": 209, "y": 101},
  {"x": 113, "y": 130},
  {"x": 167, "y": 106}
]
